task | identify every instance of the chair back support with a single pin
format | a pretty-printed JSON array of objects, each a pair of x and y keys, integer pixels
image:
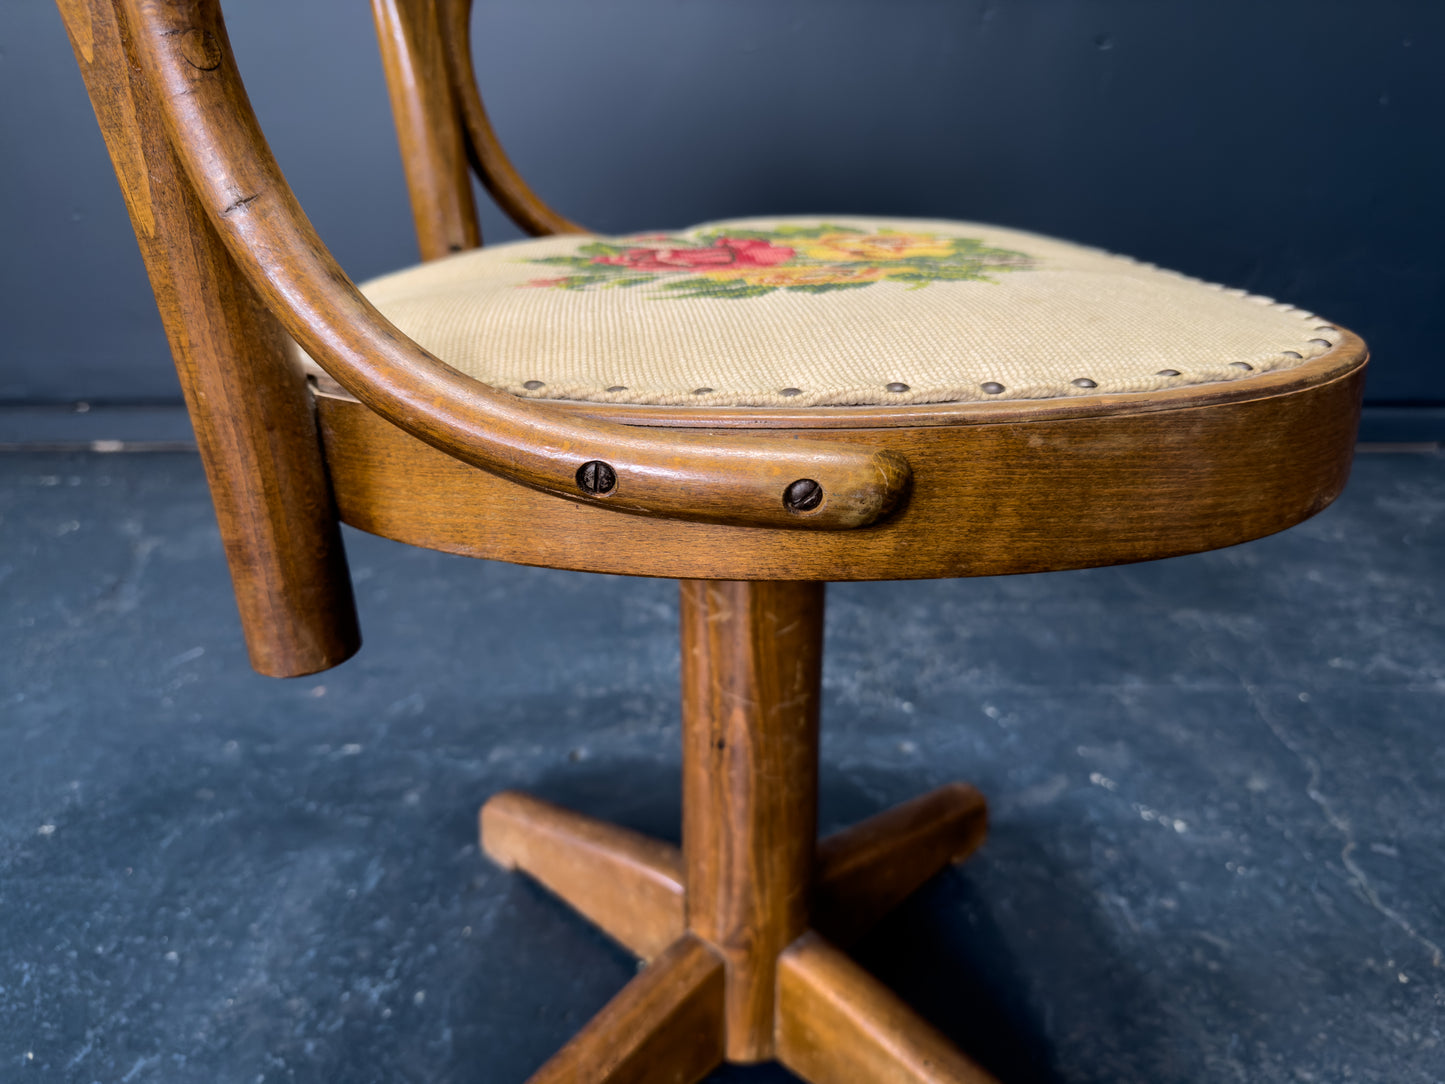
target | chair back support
[
  {"x": 441, "y": 124},
  {"x": 428, "y": 126},
  {"x": 502, "y": 181},
  {"x": 248, "y": 401}
]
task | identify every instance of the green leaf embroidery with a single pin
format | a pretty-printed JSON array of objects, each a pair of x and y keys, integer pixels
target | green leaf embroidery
[{"x": 825, "y": 287}]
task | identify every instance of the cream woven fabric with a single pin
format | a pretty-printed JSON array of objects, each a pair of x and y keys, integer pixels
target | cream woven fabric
[{"x": 836, "y": 310}]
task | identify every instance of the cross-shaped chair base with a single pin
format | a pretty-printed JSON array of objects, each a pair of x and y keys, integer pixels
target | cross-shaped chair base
[{"x": 740, "y": 925}]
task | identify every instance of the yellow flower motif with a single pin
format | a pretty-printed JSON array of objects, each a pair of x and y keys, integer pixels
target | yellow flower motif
[
  {"x": 798, "y": 276},
  {"x": 883, "y": 245}
]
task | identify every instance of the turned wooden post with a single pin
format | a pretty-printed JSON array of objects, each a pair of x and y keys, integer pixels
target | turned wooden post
[{"x": 751, "y": 671}]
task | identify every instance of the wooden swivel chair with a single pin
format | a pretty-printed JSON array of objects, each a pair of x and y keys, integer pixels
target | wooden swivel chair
[{"x": 752, "y": 408}]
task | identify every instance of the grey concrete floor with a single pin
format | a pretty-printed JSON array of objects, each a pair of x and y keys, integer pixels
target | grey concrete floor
[{"x": 1218, "y": 787}]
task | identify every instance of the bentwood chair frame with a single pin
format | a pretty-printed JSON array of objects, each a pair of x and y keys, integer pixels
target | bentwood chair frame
[{"x": 752, "y": 509}]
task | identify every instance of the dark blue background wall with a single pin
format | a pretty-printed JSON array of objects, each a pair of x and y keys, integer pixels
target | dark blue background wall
[{"x": 1293, "y": 147}]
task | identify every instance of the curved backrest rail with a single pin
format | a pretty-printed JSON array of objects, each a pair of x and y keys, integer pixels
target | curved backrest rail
[
  {"x": 741, "y": 479},
  {"x": 498, "y": 175}
]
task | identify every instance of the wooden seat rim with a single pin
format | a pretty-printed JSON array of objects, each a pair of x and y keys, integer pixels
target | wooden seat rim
[{"x": 1055, "y": 489}]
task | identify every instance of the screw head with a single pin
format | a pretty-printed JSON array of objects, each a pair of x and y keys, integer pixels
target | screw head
[
  {"x": 596, "y": 476},
  {"x": 897, "y": 387},
  {"x": 993, "y": 387},
  {"x": 1084, "y": 382},
  {"x": 803, "y": 495}
]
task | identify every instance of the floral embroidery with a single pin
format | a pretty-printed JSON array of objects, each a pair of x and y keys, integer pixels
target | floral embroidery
[{"x": 733, "y": 263}]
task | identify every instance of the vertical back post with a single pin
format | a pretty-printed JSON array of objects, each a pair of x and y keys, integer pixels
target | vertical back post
[
  {"x": 433, "y": 149},
  {"x": 248, "y": 400}
]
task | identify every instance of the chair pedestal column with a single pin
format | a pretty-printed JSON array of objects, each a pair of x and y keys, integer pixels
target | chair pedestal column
[
  {"x": 741, "y": 926},
  {"x": 752, "y": 657}
]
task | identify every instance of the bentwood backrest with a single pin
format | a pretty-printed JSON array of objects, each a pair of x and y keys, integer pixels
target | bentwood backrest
[
  {"x": 236, "y": 266},
  {"x": 442, "y": 125}
]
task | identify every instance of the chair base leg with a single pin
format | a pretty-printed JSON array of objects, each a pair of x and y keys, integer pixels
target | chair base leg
[
  {"x": 665, "y": 1027},
  {"x": 834, "y": 1023},
  {"x": 837, "y": 1025},
  {"x": 629, "y": 885}
]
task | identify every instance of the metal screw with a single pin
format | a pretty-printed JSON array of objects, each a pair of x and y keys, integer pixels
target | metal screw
[
  {"x": 803, "y": 495},
  {"x": 897, "y": 387},
  {"x": 1084, "y": 382},
  {"x": 596, "y": 476},
  {"x": 993, "y": 387},
  {"x": 790, "y": 392}
]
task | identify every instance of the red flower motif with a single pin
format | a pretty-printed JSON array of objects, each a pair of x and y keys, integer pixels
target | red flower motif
[{"x": 724, "y": 252}]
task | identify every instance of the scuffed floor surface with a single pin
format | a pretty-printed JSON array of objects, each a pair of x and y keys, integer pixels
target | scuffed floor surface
[{"x": 1218, "y": 787}]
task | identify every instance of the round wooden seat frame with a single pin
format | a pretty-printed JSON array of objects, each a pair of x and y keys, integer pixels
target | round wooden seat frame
[{"x": 743, "y": 926}]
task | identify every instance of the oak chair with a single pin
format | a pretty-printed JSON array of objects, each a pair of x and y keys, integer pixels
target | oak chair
[{"x": 754, "y": 408}]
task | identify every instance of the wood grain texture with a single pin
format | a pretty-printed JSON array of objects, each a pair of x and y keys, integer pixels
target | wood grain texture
[
  {"x": 626, "y": 883},
  {"x": 249, "y": 404},
  {"x": 730, "y": 478},
  {"x": 665, "y": 1027},
  {"x": 494, "y": 168},
  {"x": 1064, "y": 486},
  {"x": 838, "y": 1025},
  {"x": 751, "y": 676},
  {"x": 433, "y": 150},
  {"x": 865, "y": 871}
]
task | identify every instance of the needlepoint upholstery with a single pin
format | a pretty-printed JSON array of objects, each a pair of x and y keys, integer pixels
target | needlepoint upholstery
[{"x": 833, "y": 310}]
